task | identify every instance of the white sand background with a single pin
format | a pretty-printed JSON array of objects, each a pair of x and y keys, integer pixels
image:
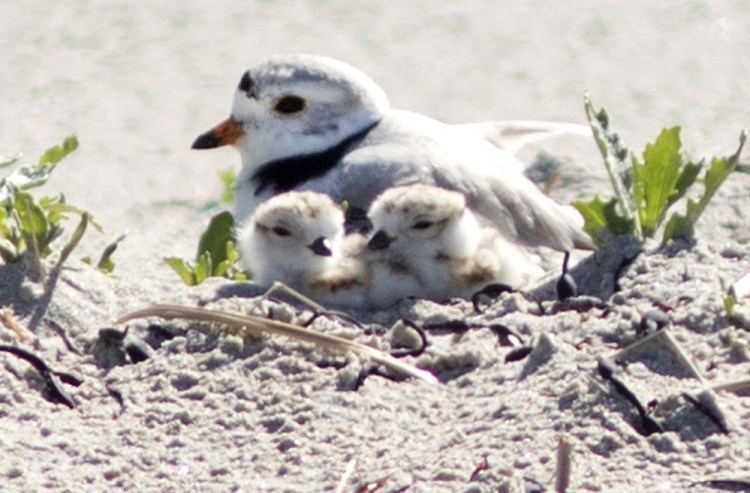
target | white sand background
[{"x": 137, "y": 81}]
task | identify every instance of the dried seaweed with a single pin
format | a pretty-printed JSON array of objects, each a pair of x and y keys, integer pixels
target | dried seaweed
[
  {"x": 54, "y": 392},
  {"x": 606, "y": 368}
]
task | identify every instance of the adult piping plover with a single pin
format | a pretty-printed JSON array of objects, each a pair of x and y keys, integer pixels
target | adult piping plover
[
  {"x": 431, "y": 233},
  {"x": 297, "y": 238},
  {"x": 314, "y": 123}
]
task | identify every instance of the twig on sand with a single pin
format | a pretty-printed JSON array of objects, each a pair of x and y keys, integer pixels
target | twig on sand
[
  {"x": 741, "y": 386},
  {"x": 7, "y": 318},
  {"x": 346, "y": 476},
  {"x": 562, "y": 472},
  {"x": 664, "y": 337},
  {"x": 256, "y": 325},
  {"x": 725, "y": 483}
]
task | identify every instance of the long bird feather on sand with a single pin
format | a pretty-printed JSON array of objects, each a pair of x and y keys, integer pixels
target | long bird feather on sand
[{"x": 260, "y": 325}]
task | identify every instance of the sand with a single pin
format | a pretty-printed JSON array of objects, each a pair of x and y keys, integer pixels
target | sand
[{"x": 212, "y": 411}]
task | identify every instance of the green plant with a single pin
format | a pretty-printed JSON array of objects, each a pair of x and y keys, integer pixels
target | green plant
[
  {"x": 29, "y": 226},
  {"x": 730, "y": 303},
  {"x": 647, "y": 187},
  {"x": 227, "y": 177},
  {"x": 217, "y": 255},
  {"x": 105, "y": 263}
]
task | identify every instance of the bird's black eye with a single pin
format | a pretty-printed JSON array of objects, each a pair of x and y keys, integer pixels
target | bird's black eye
[
  {"x": 247, "y": 86},
  {"x": 288, "y": 105},
  {"x": 281, "y": 231},
  {"x": 422, "y": 224}
]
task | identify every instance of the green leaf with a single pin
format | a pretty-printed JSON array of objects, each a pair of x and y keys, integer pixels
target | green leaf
[
  {"x": 31, "y": 218},
  {"x": 616, "y": 162},
  {"x": 222, "y": 268},
  {"x": 183, "y": 269},
  {"x": 8, "y": 251},
  {"x": 33, "y": 230},
  {"x": 6, "y": 229},
  {"x": 8, "y": 237},
  {"x": 233, "y": 255},
  {"x": 9, "y": 159},
  {"x": 26, "y": 177},
  {"x": 57, "y": 209},
  {"x": 601, "y": 218},
  {"x": 228, "y": 178},
  {"x": 214, "y": 240},
  {"x": 74, "y": 239},
  {"x": 216, "y": 255},
  {"x": 656, "y": 177},
  {"x": 28, "y": 225},
  {"x": 679, "y": 226},
  {"x": 106, "y": 265},
  {"x": 203, "y": 267},
  {"x": 57, "y": 153},
  {"x": 683, "y": 225},
  {"x": 686, "y": 179},
  {"x": 730, "y": 302},
  {"x": 226, "y": 267},
  {"x": 11, "y": 242}
]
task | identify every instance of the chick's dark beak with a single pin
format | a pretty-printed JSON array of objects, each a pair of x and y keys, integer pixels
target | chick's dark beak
[
  {"x": 380, "y": 241},
  {"x": 223, "y": 134},
  {"x": 321, "y": 246}
]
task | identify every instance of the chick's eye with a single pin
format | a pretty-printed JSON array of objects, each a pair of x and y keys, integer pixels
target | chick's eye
[
  {"x": 423, "y": 224},
  {"x": 288, "y": 105},
  {"x": 278, "y": 230}
]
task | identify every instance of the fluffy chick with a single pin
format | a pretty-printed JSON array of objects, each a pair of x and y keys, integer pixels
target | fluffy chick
[
  {"x": 297, "y": 238},
  {"x": 430, "y": 233}
]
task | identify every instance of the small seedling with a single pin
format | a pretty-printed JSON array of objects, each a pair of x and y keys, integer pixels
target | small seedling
[
  {"x": 227, "y": 177},
  {"x": 730, "y": 303},
  {"x": 646, "y": 187},
  {"x": 105, "y": 263},
  {"x": 27, "y": 226},
  {"x": 217, "y": 255}
]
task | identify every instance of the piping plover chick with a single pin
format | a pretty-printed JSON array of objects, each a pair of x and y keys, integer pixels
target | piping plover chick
[
  {"x": 432, "y": 233},
  {"x": 305, "y": 122},
  {"x": 297, "y": 238}
]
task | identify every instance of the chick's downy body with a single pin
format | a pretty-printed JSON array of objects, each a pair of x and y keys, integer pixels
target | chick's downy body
[
  {"x": 435, "y": 237},
  {"x": 297, "y": 238}
]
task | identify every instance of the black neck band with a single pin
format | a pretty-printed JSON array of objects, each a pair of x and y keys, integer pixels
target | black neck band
[{"x": 285, "y": 174}]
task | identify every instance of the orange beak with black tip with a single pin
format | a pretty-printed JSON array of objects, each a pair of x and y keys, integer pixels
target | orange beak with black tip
[{"x": 224, "y": 134}]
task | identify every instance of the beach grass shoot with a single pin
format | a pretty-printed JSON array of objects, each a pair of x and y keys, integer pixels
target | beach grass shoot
[
  {"x": 216, "y": 256},
  {"x": 647, "y": 187}
]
